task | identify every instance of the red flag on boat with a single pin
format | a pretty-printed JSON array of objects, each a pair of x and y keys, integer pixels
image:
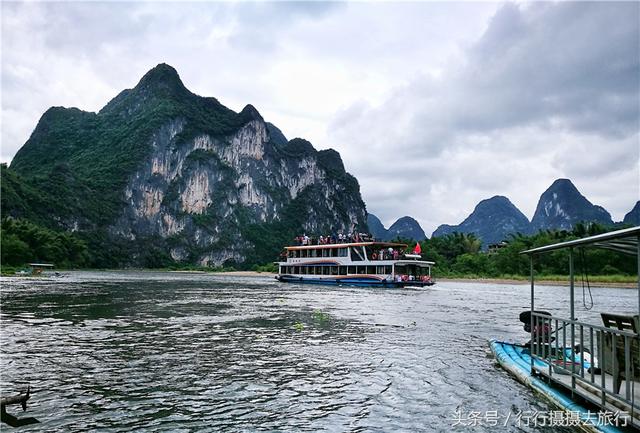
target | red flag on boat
[{"x": 417, "y": 249}]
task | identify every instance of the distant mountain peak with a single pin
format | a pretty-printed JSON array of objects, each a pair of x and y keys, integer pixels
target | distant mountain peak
[
  {"x": 249, "y": 112},
  {"x": 633, "y": 217},
  {"x": 562, "y": 182},
  {"x": 561, "y": 206},
  {"x": 406, "y": 228},
  {"x": 495, "y": 200},
  {"x": 492, "y": 220},
  {"x": 162, "y": 75},
  {"x": 376, "y": 228},
  {"x": 406, "y": 218},
  {"x": 160, "y": 83}
]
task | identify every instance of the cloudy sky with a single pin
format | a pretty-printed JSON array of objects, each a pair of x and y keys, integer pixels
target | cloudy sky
[{"x": 433, "y": 106}]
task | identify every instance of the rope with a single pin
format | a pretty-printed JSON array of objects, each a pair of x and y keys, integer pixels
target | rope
[{"x": 585, "y": 276}]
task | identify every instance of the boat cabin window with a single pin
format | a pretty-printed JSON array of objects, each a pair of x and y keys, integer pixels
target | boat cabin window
[
  {"x": 383, "y": 270},
  {"x": 356, "y": 254},
  {"x": 370, "y": 252},
  {"x": 354, "y": 270},
  {"x": 414, "y": 270},
  {"x": 343, "y": 252}
]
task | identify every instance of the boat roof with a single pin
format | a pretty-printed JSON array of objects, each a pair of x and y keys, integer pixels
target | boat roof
[
  {"x": 345, "y": 245},
  {"x": 413, "y": 262},
  {"x": 624, "y": 241}
]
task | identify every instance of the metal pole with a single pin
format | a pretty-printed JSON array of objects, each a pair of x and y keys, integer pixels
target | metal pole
[
  {"x": 573, "y": 327},
  {"x": 638, "y": 253},
  {"x": 532, "y": 302},
  {"x": 571, "y": 286}
]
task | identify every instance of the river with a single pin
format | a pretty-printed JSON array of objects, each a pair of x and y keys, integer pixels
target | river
[{"x": 158, "y": 351}]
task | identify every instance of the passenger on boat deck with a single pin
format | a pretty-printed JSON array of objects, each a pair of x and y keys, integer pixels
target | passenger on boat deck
[{"x": 332, "y": 239}]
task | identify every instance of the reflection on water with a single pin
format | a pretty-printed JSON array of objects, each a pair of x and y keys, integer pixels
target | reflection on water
[{"x": 142, "y": 351}]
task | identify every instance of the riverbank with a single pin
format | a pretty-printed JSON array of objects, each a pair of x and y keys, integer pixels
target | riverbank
[
  {"x": 543, "y": 281},
  {"x": 553, "y": 280},
  {"x": 232, "y": 273}
]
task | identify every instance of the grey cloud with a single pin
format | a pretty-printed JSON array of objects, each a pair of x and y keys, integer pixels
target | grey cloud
[
  {"x": 307, "y": 9},
  {"x": 550, "y": 89},
  {"x": 577, "y": 62},
  {"x": 486, "y": 102}
]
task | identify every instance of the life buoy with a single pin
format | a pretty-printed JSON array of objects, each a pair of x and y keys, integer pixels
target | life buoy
[{"x": 374, "y": 256}]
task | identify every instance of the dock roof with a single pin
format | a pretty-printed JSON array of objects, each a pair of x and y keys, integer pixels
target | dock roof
[{"x": 624, "y": 241}]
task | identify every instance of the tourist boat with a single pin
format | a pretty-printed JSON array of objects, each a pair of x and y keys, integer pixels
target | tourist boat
[
  {"x": 382, "y": 264},
  {"x": 590, "y": 371}
]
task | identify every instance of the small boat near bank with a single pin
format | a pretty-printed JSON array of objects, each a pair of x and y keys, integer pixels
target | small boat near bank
[
  {"x": 365, "y": 264},
  {"x": 590, "y": 371}
]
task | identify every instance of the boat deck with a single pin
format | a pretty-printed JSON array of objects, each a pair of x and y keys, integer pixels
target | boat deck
[
  {"x": 592, "y": 394},
  {"x": 516, "y": 360}
]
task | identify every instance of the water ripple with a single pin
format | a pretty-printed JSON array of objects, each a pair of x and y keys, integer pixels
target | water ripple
[{"x": 143, "y": 351}]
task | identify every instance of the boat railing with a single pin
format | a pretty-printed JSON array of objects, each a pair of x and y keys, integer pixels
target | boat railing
[{"x": 592, "y": 359}]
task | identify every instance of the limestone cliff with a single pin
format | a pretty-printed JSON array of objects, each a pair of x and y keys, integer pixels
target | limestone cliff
[{"x": 169, "y": 173}]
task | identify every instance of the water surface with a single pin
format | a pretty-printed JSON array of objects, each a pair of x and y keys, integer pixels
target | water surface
[{"x": 146, "y": 351}]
